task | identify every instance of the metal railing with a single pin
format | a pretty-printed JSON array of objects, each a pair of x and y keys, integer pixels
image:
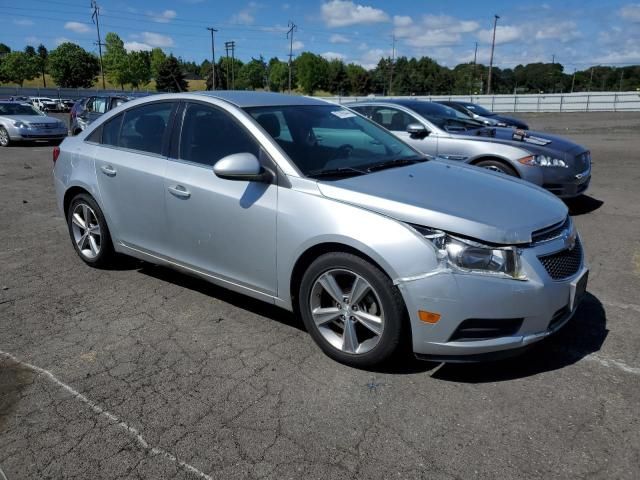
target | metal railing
[
  {"x": 543, "y": 102},
  {"x": 58, "y": 93}
]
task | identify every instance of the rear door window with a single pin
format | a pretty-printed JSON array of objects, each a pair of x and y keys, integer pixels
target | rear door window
[
  {"x": 111, "y": 130},
  {"x": 392, "y": 119},
  {"x": 143, "y": 128}
]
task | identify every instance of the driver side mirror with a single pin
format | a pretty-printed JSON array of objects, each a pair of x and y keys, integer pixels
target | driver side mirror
[
  {"x": 417, "y": 130},
  {"x": 242, "y": 166}
]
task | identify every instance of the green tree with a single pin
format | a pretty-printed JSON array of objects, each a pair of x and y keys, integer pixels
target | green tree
[
  {"x": 42, "y": 61},
  {"x": 278, "y": 78},
  {"x": 253, "y": 75},
  {"x": 359, "y": 79},
  {"x": 71, "y": 66},
  {"x": 311, "y": 71},
  {"x": 226, "y": 70},
  {"x": 337, "y": 81},
  {"x": 157, "y": 58},
  {"x": 170, "y": 77},
  {"x": 18, "y": 67},
  {"x": 4, "y": 49},
  {"x": 139, "y": 68},
  {"x": 115, "y": 61}
]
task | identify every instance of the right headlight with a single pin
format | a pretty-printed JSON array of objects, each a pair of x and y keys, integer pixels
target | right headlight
[
  {"x": 543, "y": 161},
  {"x": 468, "y": 256}
]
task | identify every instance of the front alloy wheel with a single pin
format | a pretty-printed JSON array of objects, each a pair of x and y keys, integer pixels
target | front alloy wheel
[
  {"x": 351, "y": 309},
  {"x": 4, "y": 137}
]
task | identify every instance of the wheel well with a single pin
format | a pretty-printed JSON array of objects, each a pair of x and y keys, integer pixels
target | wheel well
[
  {"x": 69, "y": 194},
  {"x": 495, "y": 159},
  {"x": 314, "y": 252}
]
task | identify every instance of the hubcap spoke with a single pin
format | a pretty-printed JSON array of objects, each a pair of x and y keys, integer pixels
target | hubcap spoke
[
  {"x": 349, "y": 337},
  {"x": 325, "y": 315},
  {"x": 372, "y": 322},
  {"x": 95, "y": 230},
  {"x": 79, "y": 221},
  {"x": 360, "y": 287},
  {"x": 93, "y": 245},
  {"x": 330, "y": 285},
  {"x": 81, "y": 241}
]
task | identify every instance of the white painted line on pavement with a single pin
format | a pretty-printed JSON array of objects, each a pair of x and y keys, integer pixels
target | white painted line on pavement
[
  {"x": 607, "y": 362},
  {"x": 111, "y": 417}
]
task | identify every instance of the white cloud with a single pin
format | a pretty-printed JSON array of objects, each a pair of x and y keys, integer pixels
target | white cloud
[
  {"x": 630, "y": 12},
  {"x": 432, "y": 30},
  {"x": 504, "y": 34},
  {"x": 298, "y": 45},
  {"x": 370, "y": 58},
  {"x": 60, "y": 40},
  {"x": 341, "y": 13},
  {"x": 337, "y": 38},
  {"x": 23, "y": 22},
  {"x": 32, "y": 39},
  {"x": 333, "y": 56},
  {"x": 76, "y": 27},
  {"x": 136, "y": 46},
  {"x": 286, "y": 6},
  {"x": 163, "y": 17},
  {"x": 563, "y": 31},
  {"x": 157, "y": 40},
  {"x": 246, "y": 16}
]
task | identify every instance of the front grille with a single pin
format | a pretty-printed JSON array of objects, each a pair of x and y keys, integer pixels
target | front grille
[
  {"x": 475, "y": 329},
  {"x": 46, "y": 126},
  {"x": 563, "y": 264},
  {"x": 549, "y": 233}
]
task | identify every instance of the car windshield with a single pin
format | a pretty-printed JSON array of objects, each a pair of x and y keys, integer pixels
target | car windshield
[
  {"x": 445, "y": 118},
  {"x": 18, "y": 109},
  {"x": 477, "y": 109},
  {"x": 331, "y": 141}
]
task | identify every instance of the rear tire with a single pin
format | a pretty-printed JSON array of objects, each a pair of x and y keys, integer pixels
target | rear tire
[
  {"x": 5, "y": 141},
  {"x": 351, "y": 309},
  {"x": 89, "y": 231},
  {"x": 497, "y": 166}
]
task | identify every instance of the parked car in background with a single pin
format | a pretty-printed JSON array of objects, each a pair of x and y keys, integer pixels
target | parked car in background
[
  {"x": 65, "y": 104},
  {"x": 478, "y": 112},
  {"x": 88, "y": 110},
  {"x": 306, "y": 205},
  {"x": 45, "y": 104},
  {"x": 556, "y": 164},
  {"x": 20, "y": 99},
  {"x": 23, "y": 122}
]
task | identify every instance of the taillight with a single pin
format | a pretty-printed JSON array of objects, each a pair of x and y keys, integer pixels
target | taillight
[{"x": 56, "y": 154}]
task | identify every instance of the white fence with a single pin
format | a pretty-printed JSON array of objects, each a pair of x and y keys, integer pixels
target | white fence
[{"x": 553, "y": 102}]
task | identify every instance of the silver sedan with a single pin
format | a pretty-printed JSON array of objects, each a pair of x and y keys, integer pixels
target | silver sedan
[
  {"x": 23, "y": 122},
  {"x": 311, "y": 207}
]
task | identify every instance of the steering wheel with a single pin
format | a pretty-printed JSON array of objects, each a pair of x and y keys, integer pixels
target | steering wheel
[{"x": 343, "y": 151}]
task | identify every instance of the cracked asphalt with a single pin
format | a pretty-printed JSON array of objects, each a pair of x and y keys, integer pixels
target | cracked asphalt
[{"x": 144, "y": 373}]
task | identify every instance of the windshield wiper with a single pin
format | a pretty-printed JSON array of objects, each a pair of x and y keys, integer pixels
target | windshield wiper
[
  {"x": 336, "y": 172},
  {"x": 396, "y": 162}
]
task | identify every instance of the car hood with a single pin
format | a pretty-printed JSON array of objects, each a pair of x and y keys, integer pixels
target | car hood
[
  {"x": 536, "y": 142},
  {"x": 31, "y": 119},
  {"x": 453, "y": 197}
]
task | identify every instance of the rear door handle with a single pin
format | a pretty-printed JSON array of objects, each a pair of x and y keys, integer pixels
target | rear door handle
[
  {"x": 180, "y": 191},
  {"x": 108, "y": 170}
]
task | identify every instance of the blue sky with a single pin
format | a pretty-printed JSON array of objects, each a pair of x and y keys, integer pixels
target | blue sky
[{"x": 579, "y": 32}]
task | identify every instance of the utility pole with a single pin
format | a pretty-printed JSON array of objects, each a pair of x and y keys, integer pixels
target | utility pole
[
  {"x": 393, "y": 61},
  {"x": 493, "y": 46},
  {"x": 292, "y": 28},
  {"x": 213, "y": 58},
  {"x": 573, "y": 80},
  {"x": 95, "y": 17},
  {"x": 620, "y": 86},
  {"x": 231, "y": 46},
  {"x": 590, "y": 80},
  {"x": 473, "y": 74},
  {"x": 553, "y": 73}
]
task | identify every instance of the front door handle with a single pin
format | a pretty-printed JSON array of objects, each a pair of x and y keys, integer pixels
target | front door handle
[
  {"x": 108, "y": 170},
  {"x": 180, "y": 191}
]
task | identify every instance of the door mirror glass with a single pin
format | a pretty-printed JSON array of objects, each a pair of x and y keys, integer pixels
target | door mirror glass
[
  {"x": 417, "y": 130},
  {"x": 241, "y": 166}
]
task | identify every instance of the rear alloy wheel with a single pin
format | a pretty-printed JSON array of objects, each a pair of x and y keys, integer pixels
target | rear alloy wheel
[
  {"x": 4, "y": 137},
  {"x": 497, "y": 166},
  {"x": 351, "y": 309},
  {"x": 89, "y": 232}
]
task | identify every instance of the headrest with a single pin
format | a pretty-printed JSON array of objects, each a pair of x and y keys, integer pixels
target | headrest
[{"x": 270, "y": 123}]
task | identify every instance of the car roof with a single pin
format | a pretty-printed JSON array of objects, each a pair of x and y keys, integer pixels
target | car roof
[{"x": 244, "y": 99}]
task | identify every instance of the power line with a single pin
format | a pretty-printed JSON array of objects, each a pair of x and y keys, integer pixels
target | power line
[
  {"x": 292, "y": 28},
  {"x": 95, "y": 17}
]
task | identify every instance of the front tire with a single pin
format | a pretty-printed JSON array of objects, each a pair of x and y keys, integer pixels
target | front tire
[
  {"x": 89, "y": 232},
  {"x": 351, "y": 309},
  {"x": 5, "y": 141},
  {"x": 497, "y": 166}
]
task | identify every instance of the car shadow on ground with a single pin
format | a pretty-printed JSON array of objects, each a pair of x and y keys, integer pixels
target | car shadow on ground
[
  {"x": 582, "y": 205},
  {"x": 583, "y": 335}
]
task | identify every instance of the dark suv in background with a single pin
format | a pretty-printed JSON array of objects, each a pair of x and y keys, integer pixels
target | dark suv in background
[{"x": 87, "y": 110}]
